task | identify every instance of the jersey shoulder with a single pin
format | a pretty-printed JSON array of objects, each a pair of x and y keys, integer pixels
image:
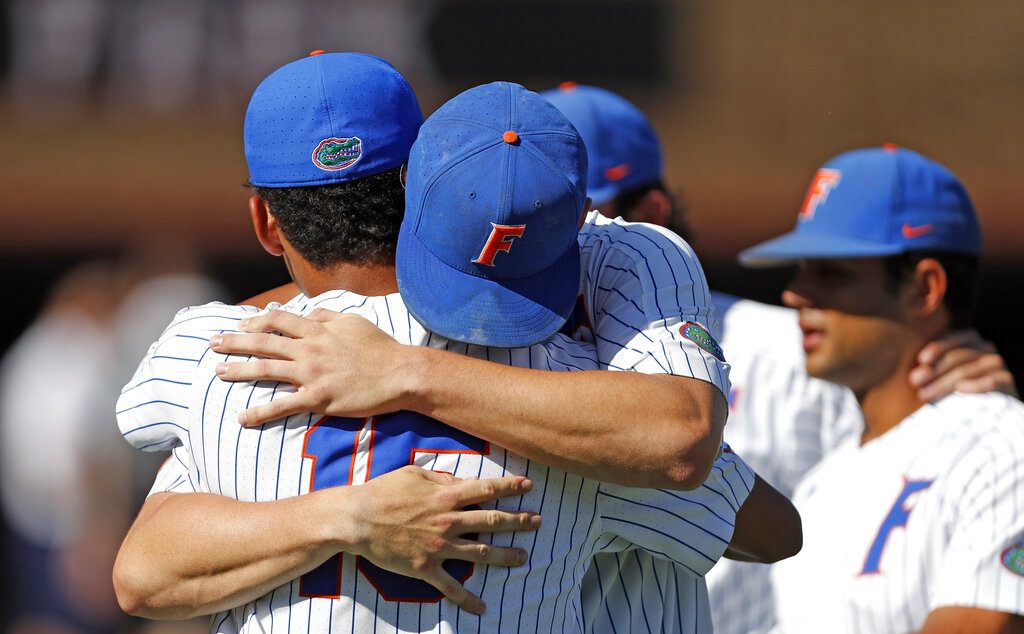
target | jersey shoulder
[
  {"x": 989, "y": 420},
  {"x": 635, "y": 240}
]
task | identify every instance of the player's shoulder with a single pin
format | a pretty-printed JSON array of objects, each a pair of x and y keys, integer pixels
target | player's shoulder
[
  {"x": 637, "y": 241},
  {"x": 211, "y": 316},
  {"x": 992, "y": 418}
]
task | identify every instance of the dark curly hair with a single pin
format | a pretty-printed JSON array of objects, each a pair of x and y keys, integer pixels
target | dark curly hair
[{"x": 352, "y": 223}]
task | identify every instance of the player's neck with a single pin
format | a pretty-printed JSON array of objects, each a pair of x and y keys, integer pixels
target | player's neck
[
  {"x": 371, "y": 280},
  {"x": 886, "y": 403}
]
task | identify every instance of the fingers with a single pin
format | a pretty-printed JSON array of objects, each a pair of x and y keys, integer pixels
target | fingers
[
  {"x": 455, "y": 591},
  {"x": 1001, "y": 381},
  {"x": 275, "y": 409},
  {"x": 438, "y": 477},
  {"x": 957, "y": 359},
  {"x": 322, "y": 315},
  {"x": 480, "y": 553},
  {"x": 983, "y": 373},
  {"x": 257, "y": 345},
  {"x": 493, "y": 521},
  {"x": 478, "y": 491},
  {"x": 280, "y": 321},
  {"x": 931, "y": 353},
  {"x": 258, "y": 369}
]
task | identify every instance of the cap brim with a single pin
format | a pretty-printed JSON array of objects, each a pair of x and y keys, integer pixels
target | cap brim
[
  {"x": 463, "y": 307},
  {"x": 802, "y": 245},
  {"x": 601, "y": 195}
]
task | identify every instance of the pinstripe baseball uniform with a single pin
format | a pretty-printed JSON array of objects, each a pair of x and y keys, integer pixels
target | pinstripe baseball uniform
[
  {"x": 782, "y": 422},
  {"x": 927, "y": 515},
  {"x": 176, "y": 401},
  {"x": 639, "y": 273}
]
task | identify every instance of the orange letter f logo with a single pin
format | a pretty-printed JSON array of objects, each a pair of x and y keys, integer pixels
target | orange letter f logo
[
  {"x": 824, "y": 182},
  {"x": 500, "y": 240}
]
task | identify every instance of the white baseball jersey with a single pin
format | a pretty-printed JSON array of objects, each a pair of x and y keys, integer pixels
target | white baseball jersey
[
  {"x": 176, "y": 401},
  {"x": 924, "y": 516},
  {"x": 639, "y": 273},
  {"x": 782, "y": 422}
]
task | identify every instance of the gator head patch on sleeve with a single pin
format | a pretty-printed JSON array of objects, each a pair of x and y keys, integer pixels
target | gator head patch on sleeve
[
  {"x": 698, "y": 335},
  {"x": 1013, "y": 559}
]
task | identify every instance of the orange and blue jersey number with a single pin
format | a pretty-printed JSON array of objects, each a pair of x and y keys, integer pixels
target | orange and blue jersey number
[
  {"x": 393, "y": 441},
  {"x": 897, "y": 518}
]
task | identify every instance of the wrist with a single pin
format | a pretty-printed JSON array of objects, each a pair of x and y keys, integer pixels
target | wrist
[
  {"x": 339, "y": 522},
  {"x": 418, "y": 372}
]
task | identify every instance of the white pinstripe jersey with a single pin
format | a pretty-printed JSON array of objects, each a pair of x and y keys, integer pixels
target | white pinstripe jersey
[
  {"x": 927, "y": 515},
  {"x": 782, "y": 422},
  {"x": 632, "y": 591},
  {"x": 176, "y": 401}
]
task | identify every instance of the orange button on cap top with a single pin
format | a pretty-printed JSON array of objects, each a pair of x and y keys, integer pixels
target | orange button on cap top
[
  {"x": 890, "y": 147},
  {"x": 510, "y": 137},
  {"x": 316, "y": 52},
  {"x": 567, "y": 85}
]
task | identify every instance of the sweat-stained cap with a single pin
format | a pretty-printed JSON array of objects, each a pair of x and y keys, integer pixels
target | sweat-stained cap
[{"x": 488, "y": 252}]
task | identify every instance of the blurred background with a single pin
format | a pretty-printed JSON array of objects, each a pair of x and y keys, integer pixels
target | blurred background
[{"x": 121, "y": 162}]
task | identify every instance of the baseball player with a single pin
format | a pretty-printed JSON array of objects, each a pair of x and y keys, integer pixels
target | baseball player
[
  {"x": 915, "y": 525},
  {"x": 367, "y": 434},
  {"x": 781, "y": 419}
]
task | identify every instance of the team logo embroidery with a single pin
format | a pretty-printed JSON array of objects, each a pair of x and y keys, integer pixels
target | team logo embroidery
[
  {"x": 500, "y": 240},
  {"x": 337, "y": 153},
  {"x": 697, "y": 334},
  {"x": 824, "y": 182},
  {"x": 1013, "y": 559}
]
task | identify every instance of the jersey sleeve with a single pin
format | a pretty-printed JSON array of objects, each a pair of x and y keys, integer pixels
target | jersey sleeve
[
  {"x": 650, "y": 305},
  {"x": 153, "y": 408},
  {"x": 690, "y": 528},
  {"x": 983, "y": 565},
  {"x": 176, "y": 474}
]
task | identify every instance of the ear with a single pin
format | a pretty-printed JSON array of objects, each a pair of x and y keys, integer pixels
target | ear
[
  {"x": 265, "y": 226},
  {"x": 654, "y": 207},
  {"x": 588, "y": 206},
  {"x": 925, "y": 293}
]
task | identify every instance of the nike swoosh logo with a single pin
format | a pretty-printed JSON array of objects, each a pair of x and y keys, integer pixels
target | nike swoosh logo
[{"x": 910, "y": 232}]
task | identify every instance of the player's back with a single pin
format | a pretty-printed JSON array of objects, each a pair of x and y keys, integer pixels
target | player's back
[{"x": 307, "y": 452}]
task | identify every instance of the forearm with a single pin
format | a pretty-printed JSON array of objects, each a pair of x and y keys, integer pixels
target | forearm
[
  {"x": 197, "y": 553},
  {"x": 621, "y": 427},
  {"x": 768, "y": 527}
]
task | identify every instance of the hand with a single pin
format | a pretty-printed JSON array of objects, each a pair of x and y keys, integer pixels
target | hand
[
  {"x": 409, "y": 521},
  {"x": 960, "y": 361},
  {"x": 342, "y": 365}
]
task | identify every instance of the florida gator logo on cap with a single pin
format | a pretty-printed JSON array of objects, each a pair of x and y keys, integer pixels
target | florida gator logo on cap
[{"x": 337, "y": 153}]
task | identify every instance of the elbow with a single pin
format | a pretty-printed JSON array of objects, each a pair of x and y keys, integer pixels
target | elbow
[
  {"x": 129, "y": 592},
  {"x": 697, "y": 444},
  {"x": 790, "y": 541},
  {"x": 691, "y": 464},
  {"x": 138, "y": 595}
]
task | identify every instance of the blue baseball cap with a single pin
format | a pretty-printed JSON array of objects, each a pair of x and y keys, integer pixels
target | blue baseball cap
[
  {"x": 875, "y": 202},
  {"x": 622, "y": 147},
  {"x": 487, "y": 251},
  {"x": 329, "y": 118}
]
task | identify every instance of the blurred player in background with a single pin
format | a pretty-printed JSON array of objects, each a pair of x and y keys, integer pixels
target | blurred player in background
[
  {"x": 782, "y": 420},
  {"x": 917, "y": 525},
  {"x": 736, "y": 494}
]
